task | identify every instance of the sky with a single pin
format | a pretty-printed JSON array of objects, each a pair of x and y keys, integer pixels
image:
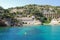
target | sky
[{"x": 13, "y": 3}]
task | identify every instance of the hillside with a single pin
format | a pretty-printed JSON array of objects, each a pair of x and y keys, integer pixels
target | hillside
[
  {"x": 32, "y": 10},
  {"x": 33, "y": 7}
]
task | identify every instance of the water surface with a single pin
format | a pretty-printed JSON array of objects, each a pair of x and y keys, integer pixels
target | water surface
[{"x": 33, "y": 32}]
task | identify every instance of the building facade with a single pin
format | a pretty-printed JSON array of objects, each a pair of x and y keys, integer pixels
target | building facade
[{"x": 50, "y": 14}]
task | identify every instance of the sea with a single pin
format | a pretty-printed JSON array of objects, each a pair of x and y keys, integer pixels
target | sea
[{"x": 30, "y": 32}]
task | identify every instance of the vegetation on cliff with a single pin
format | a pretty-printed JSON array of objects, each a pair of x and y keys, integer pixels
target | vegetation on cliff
[{"x": 31, "y": 10}]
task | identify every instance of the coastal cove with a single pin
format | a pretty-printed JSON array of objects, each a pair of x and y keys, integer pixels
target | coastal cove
[
  {"x": 31, "y": 32},
  {"x": 29, "y": 20}
]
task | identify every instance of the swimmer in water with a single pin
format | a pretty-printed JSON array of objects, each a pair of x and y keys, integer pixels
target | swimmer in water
[{"x": 25, "y": 33}]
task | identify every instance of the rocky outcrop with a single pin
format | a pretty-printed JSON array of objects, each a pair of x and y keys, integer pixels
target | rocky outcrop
[{"x": 2, "y": 23}]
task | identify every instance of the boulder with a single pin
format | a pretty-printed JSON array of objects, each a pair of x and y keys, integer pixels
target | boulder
[{"x": 2, "y": 23}]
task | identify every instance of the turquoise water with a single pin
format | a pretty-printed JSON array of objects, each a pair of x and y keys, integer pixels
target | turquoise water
[{"x": 38, "y": 32}]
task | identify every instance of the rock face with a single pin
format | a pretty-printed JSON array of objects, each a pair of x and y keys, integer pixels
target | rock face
[
  {"x": 2, "y": 23},
  {"x": 54, "y": 21}
]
